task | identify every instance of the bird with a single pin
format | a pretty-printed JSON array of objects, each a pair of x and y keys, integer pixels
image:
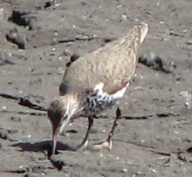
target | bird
[{"x": 96, "y": 82}]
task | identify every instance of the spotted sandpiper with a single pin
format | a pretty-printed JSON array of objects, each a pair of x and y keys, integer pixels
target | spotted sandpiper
[{"x": 96, "y": 82}]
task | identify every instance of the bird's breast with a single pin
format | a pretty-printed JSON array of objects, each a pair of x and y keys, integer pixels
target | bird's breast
[{"x": 98, "y": 100}]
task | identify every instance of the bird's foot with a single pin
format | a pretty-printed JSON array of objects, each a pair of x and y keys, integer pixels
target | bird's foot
[
  {"x": 82, "y": 146},
  {"x": 50, "y": 152},
  {"x": 105, "y": 144}
]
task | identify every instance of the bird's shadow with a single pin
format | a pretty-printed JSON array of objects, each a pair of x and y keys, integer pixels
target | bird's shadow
[
  {"x": 46, "y": 147},
  {"x": 42, "y": 146}
]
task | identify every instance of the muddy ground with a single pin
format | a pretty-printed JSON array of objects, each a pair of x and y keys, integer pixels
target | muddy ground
[{"x": 37, "y": 39}]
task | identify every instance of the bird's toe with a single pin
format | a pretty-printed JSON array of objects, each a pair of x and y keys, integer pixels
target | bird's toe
[{"x": 105, "y": 144}]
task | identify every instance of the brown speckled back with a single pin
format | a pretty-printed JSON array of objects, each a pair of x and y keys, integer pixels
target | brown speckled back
[{"x": 113, "y": 64}]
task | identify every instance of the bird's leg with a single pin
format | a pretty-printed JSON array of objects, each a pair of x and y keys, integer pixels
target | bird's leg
[
  {"x": 108, "y": 142},
  {"x": 115, "y": 123},
  {"x": 84, "y": 143}
]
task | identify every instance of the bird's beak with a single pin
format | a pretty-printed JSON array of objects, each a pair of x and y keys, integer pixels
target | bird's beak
[
  {"x": 57, "y": 128},
  {"x": 54, "y": 140},
  {"x": 54, "y": 143}
]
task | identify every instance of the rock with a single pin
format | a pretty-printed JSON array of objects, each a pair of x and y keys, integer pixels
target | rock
[
  {"x": 16, "y": 119},
  {"x": 73, "y": 58},
  {"x": 57, "y": 162},
  {"x": 14, "y": 37},
  {"x": 6, "y": 58},
  {"x": 187, "y": 98},
  {"x": 52, "y": 3},
  {"x": 156, "y": 62},
  {"x": 23, "y": 18},
  {"x": 3, "y": 134}
]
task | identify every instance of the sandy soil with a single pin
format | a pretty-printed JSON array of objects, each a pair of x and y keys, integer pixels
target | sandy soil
[{"x": 37, "y": 39}]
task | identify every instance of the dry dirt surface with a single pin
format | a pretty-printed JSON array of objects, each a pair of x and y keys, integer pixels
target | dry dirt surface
[{"x": 154, "y": 137}]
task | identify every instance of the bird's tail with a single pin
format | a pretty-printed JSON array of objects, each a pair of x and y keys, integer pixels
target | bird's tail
[{"x": 143, "y": 31}]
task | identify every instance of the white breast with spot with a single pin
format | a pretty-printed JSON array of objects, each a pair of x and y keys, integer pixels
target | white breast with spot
[{"x": 98, "y": 100}]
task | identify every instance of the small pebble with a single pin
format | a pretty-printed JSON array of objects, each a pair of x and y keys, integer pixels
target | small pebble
[
  {"x": 15, "y": 119},
  {"x": 124, "y": 170}
]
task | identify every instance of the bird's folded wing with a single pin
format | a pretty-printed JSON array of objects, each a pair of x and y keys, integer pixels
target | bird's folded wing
[{"x": 113, "y": 64}]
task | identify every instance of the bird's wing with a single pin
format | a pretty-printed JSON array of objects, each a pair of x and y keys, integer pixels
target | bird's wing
[{"x": 113, "y": 64}]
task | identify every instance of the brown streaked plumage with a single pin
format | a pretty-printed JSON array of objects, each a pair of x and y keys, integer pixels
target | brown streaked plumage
[{"x": 95, "y": 82}]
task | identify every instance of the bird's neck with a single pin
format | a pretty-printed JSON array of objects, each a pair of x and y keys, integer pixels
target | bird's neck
[{"x": 74, "y": 104}]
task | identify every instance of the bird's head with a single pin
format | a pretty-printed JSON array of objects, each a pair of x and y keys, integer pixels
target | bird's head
[{"x": 60, "y": 111}]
